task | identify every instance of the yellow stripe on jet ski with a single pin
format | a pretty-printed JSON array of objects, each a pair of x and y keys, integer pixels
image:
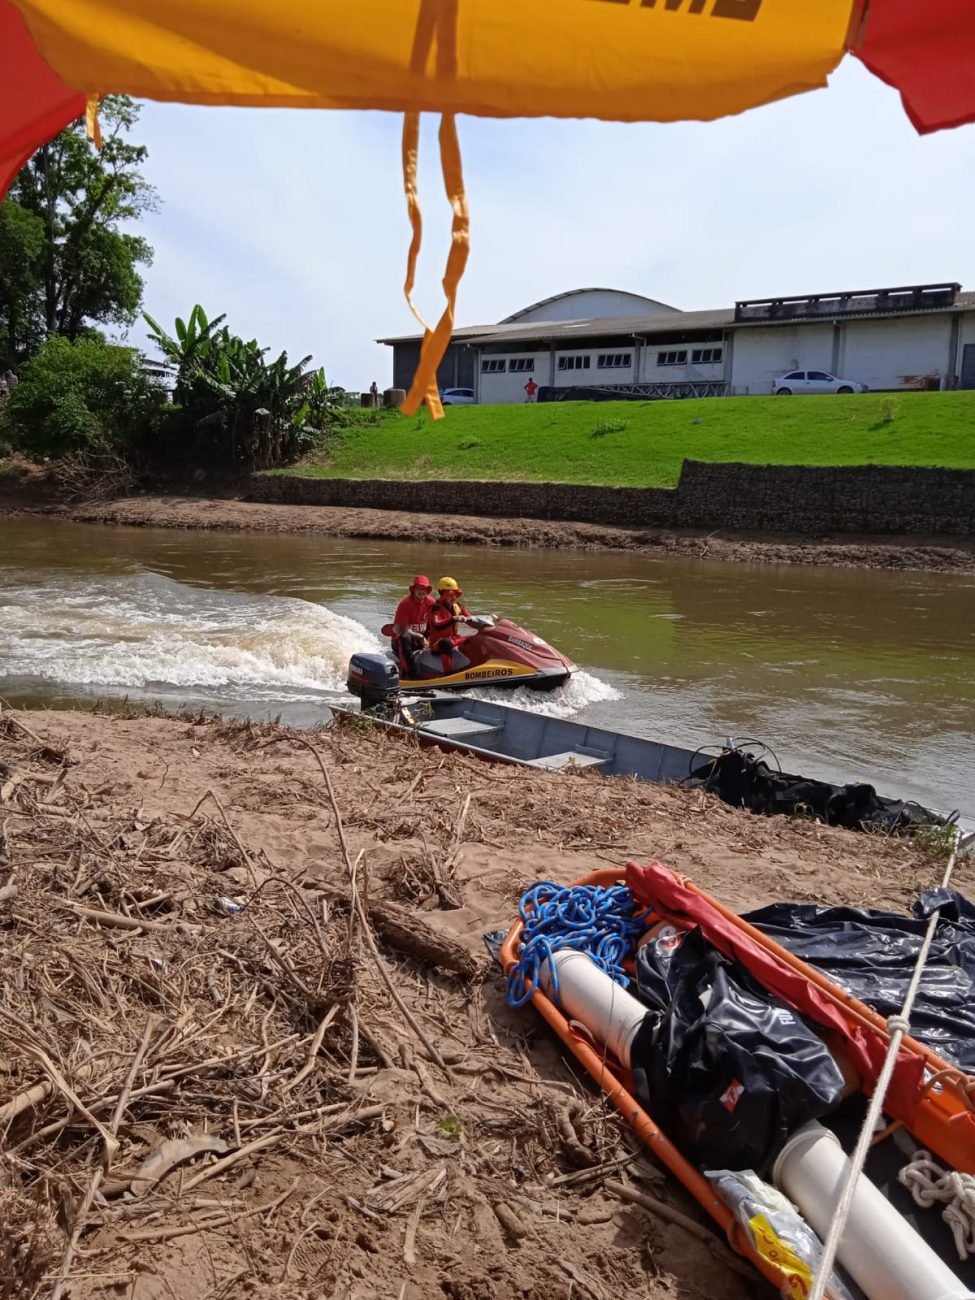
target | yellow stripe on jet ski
[{"x": 492, "y": 670}]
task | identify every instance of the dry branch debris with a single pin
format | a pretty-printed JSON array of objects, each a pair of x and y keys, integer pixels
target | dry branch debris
[
  {"x": 177, "y": 1014},
  {"x": 212, "y": 1037},
  {"x": 404, "y": 932}
]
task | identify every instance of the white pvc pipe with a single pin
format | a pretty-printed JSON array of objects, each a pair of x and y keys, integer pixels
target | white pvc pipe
[
  {"x": 879, "y": 1249},
  {"x": 587, "y": 994}
]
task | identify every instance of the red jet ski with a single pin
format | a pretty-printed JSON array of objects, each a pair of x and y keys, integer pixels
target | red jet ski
[{"x": 498, "y": 654}]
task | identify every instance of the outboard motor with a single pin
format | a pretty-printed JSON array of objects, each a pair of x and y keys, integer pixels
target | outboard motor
[{"x": 374, "y": 679}]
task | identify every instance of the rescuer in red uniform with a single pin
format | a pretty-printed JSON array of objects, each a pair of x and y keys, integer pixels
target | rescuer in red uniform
[
  {"x": 442, "y": 621},
  {"x": 410, "y": 622}
]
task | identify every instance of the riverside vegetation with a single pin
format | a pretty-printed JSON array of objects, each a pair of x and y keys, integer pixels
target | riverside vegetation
[{"x": 69, "y": 268}]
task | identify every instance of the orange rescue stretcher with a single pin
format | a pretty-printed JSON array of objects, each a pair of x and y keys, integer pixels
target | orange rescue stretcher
[{"x": 932, "y": 1098}]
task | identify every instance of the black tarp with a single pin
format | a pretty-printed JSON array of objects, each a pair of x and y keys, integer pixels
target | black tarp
[
  {"x": 725, "y": 1068},
  {"x": 744, "y": 780},
  {"x": 873, "y": 953}
]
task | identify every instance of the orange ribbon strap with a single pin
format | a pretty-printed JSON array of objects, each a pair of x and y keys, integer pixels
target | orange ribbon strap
[
  {"x": 435, "y": 341},
  {"x": 437, "y": 21},
  {"x": 92, "y": 124}
]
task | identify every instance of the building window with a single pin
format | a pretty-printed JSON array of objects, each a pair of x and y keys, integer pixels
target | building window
[
  {"x": 493, "y": 366},
  {"x": 522, "y": 365},
  {"x": 575, "y": 362},
  {"x": 707, "y": 356},
  {"x": 614, "y": 360},
  {"x": 678, "y": 358}
]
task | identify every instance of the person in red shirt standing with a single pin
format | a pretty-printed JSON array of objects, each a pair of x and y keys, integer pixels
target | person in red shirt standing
[
  {"x": 531, "y": 388},
  {"x": 410, "y": 622},
  {"x": 442, "y": 620}
]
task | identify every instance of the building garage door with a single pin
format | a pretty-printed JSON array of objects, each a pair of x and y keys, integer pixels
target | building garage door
[{"x": 968, "y": 366}]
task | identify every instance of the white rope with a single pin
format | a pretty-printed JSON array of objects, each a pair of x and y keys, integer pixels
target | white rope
[
  {"x": 929, "y": 1184},
  {"x": 898, "y": 1026}
]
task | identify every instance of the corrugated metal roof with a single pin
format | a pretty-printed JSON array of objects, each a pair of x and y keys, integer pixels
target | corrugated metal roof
[
  {"x": 660, "y": 327},
  {"x": 575, "y": 293},
  {"x": 670, "y": 323}
]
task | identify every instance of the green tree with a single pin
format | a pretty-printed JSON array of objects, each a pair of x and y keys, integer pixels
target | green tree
[
  {"x": 21, "y": 246},
  {"x": 240, "y": 408},
  {"x": 82, "y": 395},
  {"x": 67, "y": 262}
]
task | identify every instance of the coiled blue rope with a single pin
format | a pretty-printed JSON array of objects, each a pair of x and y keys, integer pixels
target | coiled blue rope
[{"x": 603, "y": 922}]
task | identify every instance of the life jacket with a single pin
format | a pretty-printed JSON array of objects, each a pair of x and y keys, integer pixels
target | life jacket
[{"x": 442, "y": 621}]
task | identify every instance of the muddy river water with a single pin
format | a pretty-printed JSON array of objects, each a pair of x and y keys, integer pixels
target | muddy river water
[{"x": 846, "y": 674}]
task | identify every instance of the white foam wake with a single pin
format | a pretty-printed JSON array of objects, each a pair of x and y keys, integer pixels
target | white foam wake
[
  {"x": 147, "y": 630},
  {"x": 581, "y": 690}
]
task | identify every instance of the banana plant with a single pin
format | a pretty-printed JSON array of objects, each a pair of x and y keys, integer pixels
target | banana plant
[
  {"x": 235, "y": 400},
  {"x": 190, "y": 348}
]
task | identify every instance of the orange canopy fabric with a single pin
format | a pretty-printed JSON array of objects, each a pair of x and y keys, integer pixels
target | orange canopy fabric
[
  {"x": 625, "y": 60},
  {"x": 622, "y": 60},
  {"x": 639, "y": 61}
]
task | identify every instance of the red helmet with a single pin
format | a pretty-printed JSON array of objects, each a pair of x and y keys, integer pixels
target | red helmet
[{"x": 421, "y": 580}]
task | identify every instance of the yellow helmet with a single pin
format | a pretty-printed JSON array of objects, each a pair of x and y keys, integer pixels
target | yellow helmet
[{"x": 448, "y": 584}]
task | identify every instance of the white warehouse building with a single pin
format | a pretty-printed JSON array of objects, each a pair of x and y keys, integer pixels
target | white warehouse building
[{"x": 606, "y": 342}]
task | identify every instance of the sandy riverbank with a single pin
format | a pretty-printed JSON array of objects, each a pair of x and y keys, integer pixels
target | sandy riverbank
[
  {"x": 270, "y": 1029},
  {"x": 932, "y": 555}
]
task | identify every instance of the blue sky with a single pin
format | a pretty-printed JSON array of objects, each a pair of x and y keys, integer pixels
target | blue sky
[{"x": 294, "y": 222}]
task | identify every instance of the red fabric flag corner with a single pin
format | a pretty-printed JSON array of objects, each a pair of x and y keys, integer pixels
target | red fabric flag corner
[
  {"x": 927, "y": 52},
  {"x": 35, "y": 104}
]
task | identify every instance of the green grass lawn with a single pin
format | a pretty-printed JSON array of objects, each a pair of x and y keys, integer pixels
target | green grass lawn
[{"x": 642, "y": 444}]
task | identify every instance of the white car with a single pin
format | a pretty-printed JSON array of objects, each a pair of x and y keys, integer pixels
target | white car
[
  {"x": 814, "y": 381},
  {"x": 457, "y": 396}
]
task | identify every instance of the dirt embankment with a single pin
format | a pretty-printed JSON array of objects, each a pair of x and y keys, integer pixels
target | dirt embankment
[
  {"x": 29, "y": 488},
  {"x": 183, "y": 962},
  {"x": 932, "y": 555}
]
